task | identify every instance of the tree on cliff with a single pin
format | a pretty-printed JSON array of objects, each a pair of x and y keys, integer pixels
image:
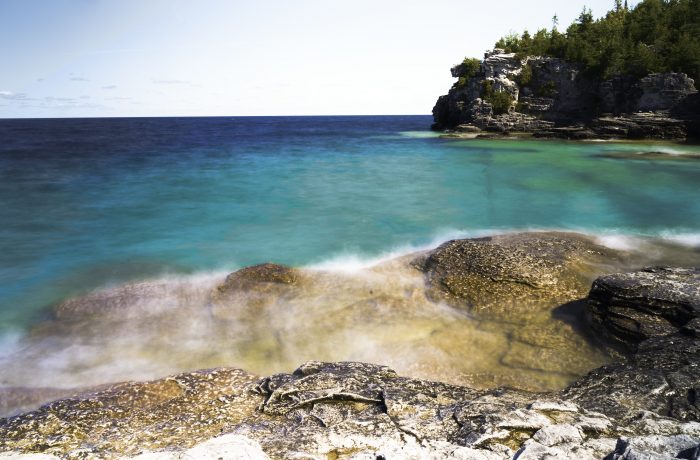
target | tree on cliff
[{"x": 654, "y": 36}]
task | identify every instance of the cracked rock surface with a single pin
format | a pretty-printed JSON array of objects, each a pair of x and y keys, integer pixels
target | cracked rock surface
[
  {"x": 628, "y": 308},
  {"x": 346, "y": 410}
]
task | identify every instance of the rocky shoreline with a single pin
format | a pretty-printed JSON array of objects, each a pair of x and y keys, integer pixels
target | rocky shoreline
[
  {"x": 551, "y": 98},
  {"x": 645, "y": 404}
]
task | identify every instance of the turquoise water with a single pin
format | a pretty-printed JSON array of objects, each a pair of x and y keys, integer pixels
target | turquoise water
[{"x": 88, "y": 203}]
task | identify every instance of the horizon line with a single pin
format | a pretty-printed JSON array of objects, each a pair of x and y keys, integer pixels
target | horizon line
[{"x": 214, "y": 116}]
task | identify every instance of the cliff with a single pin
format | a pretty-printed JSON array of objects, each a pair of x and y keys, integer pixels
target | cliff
[{"x": 550, "y": 97}]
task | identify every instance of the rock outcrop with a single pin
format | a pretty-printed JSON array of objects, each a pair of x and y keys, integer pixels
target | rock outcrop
[
  {"x": 516, "y": 275},
  {"x": 346, "y": 410},
  {"x": 629, "y": 308},
  {"x": 554, "y": 98},
  {"x": 645, "y": 405}
]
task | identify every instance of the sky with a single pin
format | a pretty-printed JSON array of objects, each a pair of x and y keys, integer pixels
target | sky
[{"x": 104, "y": 58}]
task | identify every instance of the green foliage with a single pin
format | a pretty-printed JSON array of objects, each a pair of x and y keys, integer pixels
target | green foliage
[
  {"x": 501, "y": 101},
  {"x": 466, "y": 71},
  {"x": 486, "y": 89},
  {"x": 470, "y": 67},
  {"x": 525, "y": 77},
  {"x": 548, "y": 89},
  {"x": 654, "y": 36}
]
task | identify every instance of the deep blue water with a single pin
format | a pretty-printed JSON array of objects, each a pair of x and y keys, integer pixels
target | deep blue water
[{"x": 88, "y": 202}]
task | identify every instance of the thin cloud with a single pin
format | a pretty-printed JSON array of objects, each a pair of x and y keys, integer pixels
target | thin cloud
[
  {"x": 79, "y": 79},
  {"x": 53, "y": 102},
  {"x": 60, "y": 101},
  {"x": 10, "y": 96},
  {"x": 172, "y": 82},
  {"x": 110, "y": 87}
]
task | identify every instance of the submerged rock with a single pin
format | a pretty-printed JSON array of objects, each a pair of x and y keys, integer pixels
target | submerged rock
[
  {"x": 642, "y": 155},
  {"x": 268, "y": 318}
]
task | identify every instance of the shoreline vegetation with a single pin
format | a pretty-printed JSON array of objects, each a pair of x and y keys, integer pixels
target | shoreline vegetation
[
  {"x": 628, "y": 75},
  {"x": 558, "y": 291}
]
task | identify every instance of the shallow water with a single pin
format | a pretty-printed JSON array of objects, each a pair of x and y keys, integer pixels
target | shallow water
[
  {"x": 94, "y": 203},
  {"x": 379, "y": 315}
]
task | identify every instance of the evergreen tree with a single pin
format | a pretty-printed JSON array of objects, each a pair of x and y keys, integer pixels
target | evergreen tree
[{"x": 654, "y": 36}]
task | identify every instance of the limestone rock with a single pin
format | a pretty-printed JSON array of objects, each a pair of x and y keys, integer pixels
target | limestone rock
[
  {"x": 176, "y": 412},
  {"x": 336, "y": 410},
  {"x": 663, "y": 91},
  {"x": 643, "y": 125},
  {"x": 662, "y": 377},
  {"x": 15, "y": 400},
  {"x": 628, "y": 308},
  {"x": 517, "y": 273},
  {"x": 656, "y": 448},
  {"x": 556, "y": 98},
  {"x": 263, "y": 273}
]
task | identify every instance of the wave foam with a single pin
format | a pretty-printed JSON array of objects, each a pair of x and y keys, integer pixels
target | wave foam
[
  {"x": 419, "y": 134},
  {"x": 684, "y": 239},
  {"x": 349, "y": 262},
  {"x": 354, "y": 262}
]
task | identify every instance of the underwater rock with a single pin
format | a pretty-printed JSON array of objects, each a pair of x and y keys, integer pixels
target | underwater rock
[
  {"x": 514, "y": 275},
  {"x": 652, "y": 156},
  {"x": 268, "y": 318},
  {"x": 628, "y": 308},
  {"x": 135, "y": 300},
  {"x": 257, "y": 287}
]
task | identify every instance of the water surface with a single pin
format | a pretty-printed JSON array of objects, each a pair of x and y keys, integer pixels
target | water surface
[{"x": 97, "y": 202}]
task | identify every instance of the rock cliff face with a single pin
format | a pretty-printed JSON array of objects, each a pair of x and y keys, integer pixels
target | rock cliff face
[{"x": 554, "y": 98}]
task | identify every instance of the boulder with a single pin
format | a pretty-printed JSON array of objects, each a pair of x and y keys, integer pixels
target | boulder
[
  {"x": 628, "y": 308},
  {"x": 512, "y": 276},
  {"x": 263, "y": 273}
]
